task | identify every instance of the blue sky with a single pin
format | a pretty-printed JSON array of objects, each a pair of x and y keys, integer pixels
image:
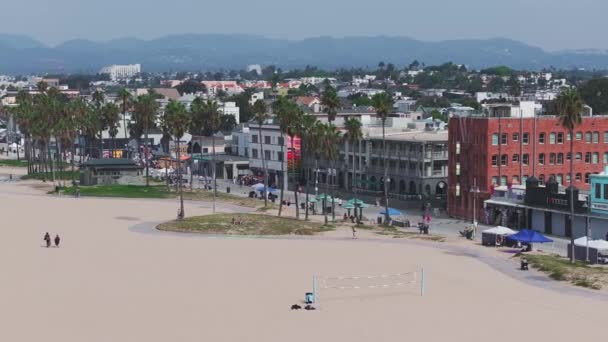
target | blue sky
[{"x": 550, "y": 24}]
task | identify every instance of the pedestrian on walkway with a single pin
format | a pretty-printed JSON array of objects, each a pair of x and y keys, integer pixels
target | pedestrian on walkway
[
  {"x": 354, "y": 232},
  {"x": 47, "y": 239},
  {"x": 57, "y": 240}
]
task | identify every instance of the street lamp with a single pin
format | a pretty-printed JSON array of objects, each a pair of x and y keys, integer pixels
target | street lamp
[{"x": 474, "y": 190}]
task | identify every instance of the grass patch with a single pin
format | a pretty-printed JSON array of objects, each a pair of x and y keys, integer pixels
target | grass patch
[
  {"x": 13, "y": 163},
  {"x": 125, "y": 191},
  {"x": 253, "y": 224},
  {"x": 561, "y": 269},
  {"x": 400, "y": 234},
  {"x": 65, "y": 175}
]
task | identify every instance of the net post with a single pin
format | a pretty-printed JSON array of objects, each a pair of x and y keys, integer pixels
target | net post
[
  {"x": 422, "y": 282},
  {"x": 314, "y": 289}
]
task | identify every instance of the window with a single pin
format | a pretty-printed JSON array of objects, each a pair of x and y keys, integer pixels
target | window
[
  {"x": 254, "y": 153},
  {"x": 495, "y": 160},
  {"x": 560, "y": 138},
  {"x": 457, "y": 169},
  {"x": 494, "y": 180},
  {"x": 598, "y": 190},
  {"x": 280, "y": 157},
  {"x": 458, "y": 148},
  {"x": 457, "y": 190},
  {"x": 552, "y": 158},
  {"x": 494, "y": 139},
  {"x": 568, "y": 178},
  {"x": 605, "y": 191},
  {"x": 568, "y": 136},
  {"x": 541, "y": 179},
  {"x": 605, "y": 137},
  {"x": 588, "y": 137},
  {"x": 254, "y": 139},
  {"x": 560, "y": 178},
  {"x": 526, "y": 138},
  {"x": 596, "y": 158},
  {"x": 525, "y": 159},
  {"x": 267, "y": 155},
  {"x": 596, "y": 137},
  {"x": 267, "y": 139},
  {"x": 281, "y": 141},
  {"x": 579, "y": 135},
  {"x": 524, "y": 178},
  {"x": 504, "y": 160},
  {"x": 587, "y": 157},
  {"x": 605, "y": 157},
  {"x": 541, "y": 138},
  {"x": 516, "y": 158},
  {"x": 560, "y": 159},
  {"x": 541, "y": 159},
  {"x": 552, "y": 138},
  {"x": 579, "y": 156},
  {"x": 578, "y": 177},
  {"x": 515, "y": 137},
  {"x": 503, "y": 180},
  {"x": 568, "y": 156},
  {"x": 504, "y": 138},
  {"x": 587, "y": 176},
  {"x": 515, "y": 179}
]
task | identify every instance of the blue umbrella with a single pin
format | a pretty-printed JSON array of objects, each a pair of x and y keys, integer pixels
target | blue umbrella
[
  {"x": 391, "y": 212},
  {"x": 270, "y": 190},
  {"x": 529, "y": 236}
]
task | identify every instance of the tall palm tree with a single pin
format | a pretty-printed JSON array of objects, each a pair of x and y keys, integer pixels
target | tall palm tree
[
  {"x": 178, "y": 119},
  {"x": 125, "y": 100},
  {"x": 290, "y": 120},
  {"x": 569, "y": 105},
  {"x": 330, "y": 140},
  {"x": 383, "y": 105},
  {"x": 260, "y": 115},
  {"x": 353, "y": 136},
  {"x": 145, "y": 114},
  {"x": 331, "y": 102},
  {"x": 284, "y": 110},
  {"x": 111, "y": 117},
  {"x": 308, "y": 133}
]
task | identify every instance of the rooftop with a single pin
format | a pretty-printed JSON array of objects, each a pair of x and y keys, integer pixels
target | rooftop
[{"x": 416, "y": 136}]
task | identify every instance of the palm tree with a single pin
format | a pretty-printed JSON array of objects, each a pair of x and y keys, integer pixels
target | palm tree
[
  {"x": 111, "y": 117},
  {"x": 569, "y": 105},
  {"x": 290, "y": 120},
  {"x": 284, "y": 110},
  {"x": 353, "y": 136},
  {"x": 330, "y": 140},
  {"x": 383, "y": 104},
  {"x": 178, "y": 119},
  {"x": 260, "y": 115},
  {"x": 206, "y": 121},
  {"x": 308, "y": 133},
  {"x": 125, "y": 99},
  {"x": 330, "y": 101},
  {"x": 145, "y": 113}
]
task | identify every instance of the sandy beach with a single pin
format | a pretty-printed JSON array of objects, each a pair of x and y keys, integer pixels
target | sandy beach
[{"x": 114, "y": 278}]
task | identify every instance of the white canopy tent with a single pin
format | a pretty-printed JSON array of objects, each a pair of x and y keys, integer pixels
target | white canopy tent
[
  {"x": 500, "y": 230},
  {"x": 600, "y": 245},
  {"x": 495, "y": 236}
]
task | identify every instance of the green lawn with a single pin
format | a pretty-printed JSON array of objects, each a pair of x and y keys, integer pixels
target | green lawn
[
  {"x": 13, "y": 163},
  {"x": 65, "y": 175},
  {"x": 253, "y": 224},
  {"x": 578, "y": 273},
  {"x": 126, "y": 191}
]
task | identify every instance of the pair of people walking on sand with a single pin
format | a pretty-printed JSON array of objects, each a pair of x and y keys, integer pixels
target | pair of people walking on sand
[{"x": 47, "y": 239}]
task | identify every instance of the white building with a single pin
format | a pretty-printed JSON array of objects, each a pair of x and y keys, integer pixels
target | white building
[
  {"x": 230, "y": 108},
  {"x": 255, "y": 67},
  {"x": 117, "y": 72},
  {"x": 272, "y": 145}
]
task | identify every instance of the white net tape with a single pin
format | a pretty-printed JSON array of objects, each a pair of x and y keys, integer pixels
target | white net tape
[{"x": 380, "y": 281}]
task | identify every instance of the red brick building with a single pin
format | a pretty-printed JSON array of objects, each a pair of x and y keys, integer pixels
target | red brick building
[{"x": 491, "y": 151}]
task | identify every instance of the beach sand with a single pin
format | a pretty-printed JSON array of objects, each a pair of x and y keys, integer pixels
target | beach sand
[{"x": 116, "y": 279}]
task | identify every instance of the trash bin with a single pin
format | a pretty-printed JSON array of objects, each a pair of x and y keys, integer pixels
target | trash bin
[
  {"x": 227, "y": 189},
  {"x": 309, "y": 298}
]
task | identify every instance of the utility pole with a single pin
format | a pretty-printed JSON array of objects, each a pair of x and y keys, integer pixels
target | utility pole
[
  {"x": 475, "y": 190},
  {"x": 587, "y": 226}
]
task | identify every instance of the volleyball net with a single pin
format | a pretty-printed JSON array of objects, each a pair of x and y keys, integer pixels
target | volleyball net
[{"x": 412, "y": 279}]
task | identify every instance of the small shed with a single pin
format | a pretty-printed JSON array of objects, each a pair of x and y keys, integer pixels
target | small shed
[{"x": 109, "y": 171}]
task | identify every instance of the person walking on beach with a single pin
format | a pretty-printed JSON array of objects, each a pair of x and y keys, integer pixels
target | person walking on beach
[
  {"x": 354, "y": 232},
  {"x": 57, "y": 240},
  {"x": 47, "y": 238}
]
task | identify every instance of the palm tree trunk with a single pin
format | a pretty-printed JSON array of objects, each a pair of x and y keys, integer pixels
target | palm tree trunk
[
  {"x": 572, "y": 195},
  {"x": 333, "y": 191},
  {"x": 48, "y": 147},
  {"x": 282, "y": 174},
  {"x": 295, "y": 188},
  {"x": 72, "y": 151},
  {"x": 386, "y": 215},
  {"x": 179, "y": 182},
  {"x": 146, "y": 158},
  {"x": 263, "y": 157},
  {"x": 213, "y": 171},
  {"x": 353, "y": 181},
  {"x": 307, "y": 192}
]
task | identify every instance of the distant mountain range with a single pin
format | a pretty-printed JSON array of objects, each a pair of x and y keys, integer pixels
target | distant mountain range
[{"x": 24, "y": 55}]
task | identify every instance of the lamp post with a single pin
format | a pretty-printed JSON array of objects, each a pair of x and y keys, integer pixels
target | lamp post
[
  {"x": 588, "y": 226},
  {"x": 474, "y": 190}
]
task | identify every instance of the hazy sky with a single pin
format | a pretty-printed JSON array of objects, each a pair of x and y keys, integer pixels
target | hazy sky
[{"x": 551, "y": 24}]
